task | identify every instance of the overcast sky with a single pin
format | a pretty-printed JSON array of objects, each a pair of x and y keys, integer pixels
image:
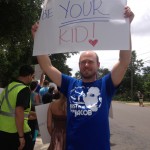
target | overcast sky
[{"x": 140, "y": 32}]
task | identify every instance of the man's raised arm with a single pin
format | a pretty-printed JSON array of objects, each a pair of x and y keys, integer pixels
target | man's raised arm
[
  {"x": 45, "y": 63},
  {"x": 120, "y": 68}
]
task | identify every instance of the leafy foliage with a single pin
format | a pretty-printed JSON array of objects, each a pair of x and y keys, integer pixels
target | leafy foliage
[
  {"x": 16, "y": 43},
  {"x": 146, "y": 82},
  {"x": 134, "y": 80},
  {"x": 77, "y": 75},
  {"x": 102, "y": 72}
]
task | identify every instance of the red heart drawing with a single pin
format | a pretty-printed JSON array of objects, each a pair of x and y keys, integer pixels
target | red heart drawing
[{"x": 93, "y": 42}]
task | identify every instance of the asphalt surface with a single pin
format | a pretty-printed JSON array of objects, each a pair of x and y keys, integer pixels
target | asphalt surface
[{"x": 130, "y": 127}]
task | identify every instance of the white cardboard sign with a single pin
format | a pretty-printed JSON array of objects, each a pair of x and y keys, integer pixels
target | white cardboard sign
[
  {"x": 41, "y": 112},
  {"x": 77, "y": 25},
  {"x": 38, "y": 72}
]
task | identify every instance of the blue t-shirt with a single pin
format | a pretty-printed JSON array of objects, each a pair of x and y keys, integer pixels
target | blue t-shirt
[
  {"x": 43, "y": 91},
  {"x": 88, "y": 113}
]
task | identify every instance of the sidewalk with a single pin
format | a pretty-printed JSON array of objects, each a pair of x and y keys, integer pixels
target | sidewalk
[
  {"x": 146, "y": 104},
  {"x": 39, "y": 145}
]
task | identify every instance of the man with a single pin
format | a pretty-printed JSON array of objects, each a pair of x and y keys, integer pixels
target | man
[
  {"x": 44, "y": 89},
  {"x": 140, "y": 98},
  {"x": 14, "y": 110},
  {"x": 40, "y": 84},
  {"x": 88, "y": 100}
]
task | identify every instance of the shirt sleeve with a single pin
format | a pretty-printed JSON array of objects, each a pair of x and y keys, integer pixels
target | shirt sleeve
[
  {"x": 23, "y": 98},
  {"x": 67, "y": 81}
]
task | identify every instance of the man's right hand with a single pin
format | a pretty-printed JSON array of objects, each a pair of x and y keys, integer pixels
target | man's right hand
[
  {"x": 22, "y": 143},
  {"x": 128, "y": 13}
]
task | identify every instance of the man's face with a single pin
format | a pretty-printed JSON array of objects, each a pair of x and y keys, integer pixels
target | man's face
[{"x": 88, "y": 65}]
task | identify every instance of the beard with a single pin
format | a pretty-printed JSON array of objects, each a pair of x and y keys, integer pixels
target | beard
[{"x": 88, "y": 75}]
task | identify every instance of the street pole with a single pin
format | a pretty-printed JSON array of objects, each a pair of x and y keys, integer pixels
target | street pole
[{"x": 131, "y": 79}]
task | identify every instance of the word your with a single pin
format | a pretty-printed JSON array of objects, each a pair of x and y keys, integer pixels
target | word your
[{"x": 83, "y": 9}]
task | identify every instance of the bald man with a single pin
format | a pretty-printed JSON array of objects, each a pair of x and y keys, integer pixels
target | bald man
[{"x": 88, "y": 99}]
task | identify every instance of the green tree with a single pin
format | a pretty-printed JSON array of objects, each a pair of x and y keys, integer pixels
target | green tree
[
  {"x": 146, "y": 82},
  {"x": 146, "y": 70},
  {"x": 15, "y": 35},
  {"x": 132, "y": 80},
  {"x": 59, "y": 61},
  {"x": 78, "y": 75},
  {"x": 16, "y": 43},
  {"x": 102, "y": 72}
]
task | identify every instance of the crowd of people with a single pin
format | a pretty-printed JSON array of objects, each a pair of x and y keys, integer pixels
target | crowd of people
[
  {"x": 18, "y": 121},
  {"x": 78, "y": 117}
]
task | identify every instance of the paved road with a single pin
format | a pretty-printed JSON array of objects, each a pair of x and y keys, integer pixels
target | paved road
[{"x": 130, "y": 128}]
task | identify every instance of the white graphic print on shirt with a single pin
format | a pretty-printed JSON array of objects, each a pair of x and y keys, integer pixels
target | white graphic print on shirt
[{"x": 85, "y": 101}]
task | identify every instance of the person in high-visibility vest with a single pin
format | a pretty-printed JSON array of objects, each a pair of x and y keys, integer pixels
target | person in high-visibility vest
[{"x": 15, "y": 106}]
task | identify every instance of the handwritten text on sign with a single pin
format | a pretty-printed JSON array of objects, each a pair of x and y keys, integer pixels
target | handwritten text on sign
[{"x": 74, "y": 25}]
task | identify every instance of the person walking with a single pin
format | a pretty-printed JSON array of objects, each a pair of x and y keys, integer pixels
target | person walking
[
  {"x": 35, "y": 97},
  {"x": 140, "y": 98},
  {"x": 14, "y": 110},
  {"x": 88, "y": 99},
  {"x": 44, "y": 89},
  {"x": 56, "y": 122}
]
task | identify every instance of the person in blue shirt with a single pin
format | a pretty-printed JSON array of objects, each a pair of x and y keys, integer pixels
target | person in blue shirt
[
  {"x": 88, "y": 99},
  {"x": 44, "y": 89}
]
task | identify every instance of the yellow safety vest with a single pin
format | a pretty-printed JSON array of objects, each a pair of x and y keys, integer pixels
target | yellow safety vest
[{"x": 7, "y": 108}]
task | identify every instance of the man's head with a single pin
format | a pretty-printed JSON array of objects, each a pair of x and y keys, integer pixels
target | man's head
[
  {"x": 89, "y": 64},
  {"x": 26, "y": 74},
  {"x": 46, "y": 83},
  {"x": 51, "y": 89},
  {"x": 58, "y": 95}
]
